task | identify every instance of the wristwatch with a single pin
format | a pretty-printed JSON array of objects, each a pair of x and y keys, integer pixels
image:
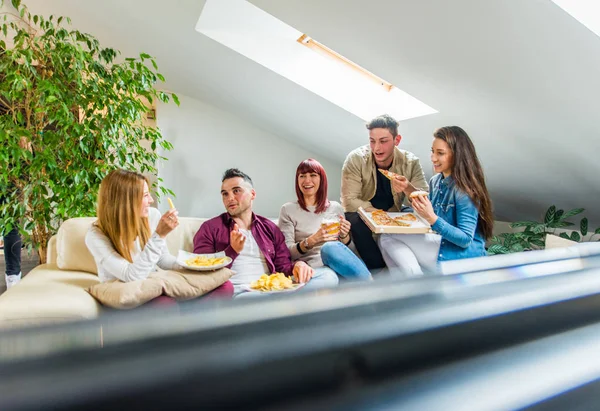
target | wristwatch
[{"x": 305, "y": 244}]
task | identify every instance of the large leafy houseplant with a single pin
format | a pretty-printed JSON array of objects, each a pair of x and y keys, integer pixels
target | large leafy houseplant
[
  {"x": 534, "y": 233},
  {"x": 69, "y": 113}
]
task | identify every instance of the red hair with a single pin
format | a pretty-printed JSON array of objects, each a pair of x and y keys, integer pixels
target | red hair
[{"x": 311, "y": 165}]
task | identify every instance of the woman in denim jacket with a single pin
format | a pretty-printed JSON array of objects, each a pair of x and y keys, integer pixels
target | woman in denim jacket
[{"x": 458, "y": 209}]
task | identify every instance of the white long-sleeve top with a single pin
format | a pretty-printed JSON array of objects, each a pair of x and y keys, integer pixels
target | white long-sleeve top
[{"x": 112, "y": 266}]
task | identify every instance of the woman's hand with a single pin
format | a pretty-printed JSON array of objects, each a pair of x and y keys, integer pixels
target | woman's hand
[
  {"x": 344, "y": 229},
  {"x": 167, "y": 223},
  {"x": 422, "y": 205},
  {"x": 302, "y": 272},
  {"x": 320, "y": 237}
]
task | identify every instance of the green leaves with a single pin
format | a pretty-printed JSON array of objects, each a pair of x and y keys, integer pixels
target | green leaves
[
  {"x": 534, "y": 233},
  {"x": 81, "y": 114}
]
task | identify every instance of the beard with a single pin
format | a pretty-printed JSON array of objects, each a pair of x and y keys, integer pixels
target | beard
[{"x": 238, "y": 211}]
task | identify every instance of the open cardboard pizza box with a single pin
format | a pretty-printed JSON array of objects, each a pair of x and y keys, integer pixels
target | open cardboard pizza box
[{"x": 420, "y": 226}]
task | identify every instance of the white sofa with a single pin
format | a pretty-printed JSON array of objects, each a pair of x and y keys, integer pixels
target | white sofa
[{"x": 55, "y": 291}]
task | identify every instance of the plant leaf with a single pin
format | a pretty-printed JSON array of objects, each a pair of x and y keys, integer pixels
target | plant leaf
[
  {"x": 572, "y": 212},
  {"x": 523, "y": 224},
  {"x": 498, "y": 249},
  {"x": 539, "y": 243},
  {"x": 575, "y": 236},
  {"x": 560, "y": 224},
  {"x": 550, "y": 213},
  {"x": 583, "y": 226},
  {"x": 518, "y": 247},
  {"x": 597, "y": 231},
  {"x": 564, "y": 235}
]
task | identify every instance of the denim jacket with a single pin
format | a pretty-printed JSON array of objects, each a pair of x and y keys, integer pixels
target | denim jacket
[{"x": 457, "y": 220}]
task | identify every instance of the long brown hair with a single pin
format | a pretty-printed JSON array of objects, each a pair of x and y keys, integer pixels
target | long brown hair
[
  {"x": 468, "y": 174},
  {"x": 310, "y": 165},
  {"x": 119, "y": 211}
]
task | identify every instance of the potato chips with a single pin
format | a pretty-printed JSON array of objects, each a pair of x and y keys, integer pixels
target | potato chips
[
  {"x": 202, "y": 261},
  {"x": 273, "y": 282}
]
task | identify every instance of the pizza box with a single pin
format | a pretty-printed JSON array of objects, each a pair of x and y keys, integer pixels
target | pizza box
[{"x": 420, "y": 226}]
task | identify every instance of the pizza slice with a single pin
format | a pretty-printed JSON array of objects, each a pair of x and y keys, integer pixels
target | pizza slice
[
  {"x": 406, "y": 217},
  {"x": 380, "y": 217},
  {"x": 400, "y": 223},
  {"x": 389, "y": 174}
]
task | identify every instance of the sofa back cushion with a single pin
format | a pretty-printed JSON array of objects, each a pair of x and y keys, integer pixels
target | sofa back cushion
[
  {"x": 71, "y": 251},
  {"x": 73, "y": 254}
]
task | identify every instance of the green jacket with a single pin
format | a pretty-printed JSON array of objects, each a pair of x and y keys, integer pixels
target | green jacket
[{"x": 359, "y": 177}]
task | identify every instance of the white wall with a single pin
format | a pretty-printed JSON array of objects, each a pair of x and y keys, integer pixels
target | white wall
[{"x": 207, "y": 141}]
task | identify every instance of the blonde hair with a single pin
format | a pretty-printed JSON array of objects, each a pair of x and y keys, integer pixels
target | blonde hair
[{"x": 119, "y": 211}]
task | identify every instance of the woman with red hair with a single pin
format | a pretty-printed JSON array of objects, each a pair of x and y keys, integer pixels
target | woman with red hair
[{"x": 315, "y": 229}]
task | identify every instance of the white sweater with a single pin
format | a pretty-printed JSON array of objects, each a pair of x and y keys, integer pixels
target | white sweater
[
  {"x": 112, "y": 266},
  {"x": 297, "y": 224}
]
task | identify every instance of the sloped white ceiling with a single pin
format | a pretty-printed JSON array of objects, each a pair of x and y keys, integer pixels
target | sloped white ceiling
[{"x": 522, "y": 77}]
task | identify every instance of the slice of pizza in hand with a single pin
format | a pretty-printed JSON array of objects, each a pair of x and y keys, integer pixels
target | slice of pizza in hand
[
  {"x": 419, "y": 193},
  {"x": 389, "y": 174}
]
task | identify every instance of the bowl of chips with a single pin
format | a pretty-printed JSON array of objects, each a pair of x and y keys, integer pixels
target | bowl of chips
[
  {"x": 202, "y": 262},
  {"x": 273, "y": 283}
]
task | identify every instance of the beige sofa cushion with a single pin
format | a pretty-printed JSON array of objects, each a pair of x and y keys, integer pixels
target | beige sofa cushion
[
  {"x": 117, "y": 294},
  {"x": 181, "y": 285},
  {"x": 186, "y": 284},
  {"x": 72, "y": 253},
  {"x": 48, "y": 294},
  {"x": 182, "y": 238}
]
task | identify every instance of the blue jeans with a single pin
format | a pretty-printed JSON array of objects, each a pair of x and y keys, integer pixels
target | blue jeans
[
  {"x": 344, "y": 262},
  {"x": 12, "y": 252}
]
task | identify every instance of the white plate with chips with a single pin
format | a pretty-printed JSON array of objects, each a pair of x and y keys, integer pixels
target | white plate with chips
[
  {"x": 271, "y": 284},
  {"x": 295, "y": 287},
  {"x": 202, "y": 262}
]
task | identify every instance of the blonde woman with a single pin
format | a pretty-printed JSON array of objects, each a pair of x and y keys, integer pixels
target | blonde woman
[{"x": 128, "y": 239}]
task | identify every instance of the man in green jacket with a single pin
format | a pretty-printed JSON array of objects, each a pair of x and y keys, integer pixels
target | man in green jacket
[{"x": 363, "y": 186}]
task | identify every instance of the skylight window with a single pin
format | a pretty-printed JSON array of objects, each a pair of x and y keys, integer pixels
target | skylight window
[
  {"x": 587, "y": 12},
  {"x": 250, "y": 31}
]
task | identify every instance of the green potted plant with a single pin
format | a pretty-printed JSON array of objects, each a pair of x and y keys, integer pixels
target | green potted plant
[
  {"x": 533, "y": 236},
  {"x": 70, "y": 112}
]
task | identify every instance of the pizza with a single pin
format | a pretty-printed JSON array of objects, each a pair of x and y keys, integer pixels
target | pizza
[
  {"x": 381, "y": 217},
  {"x": 406, "y": 217},
  {"x": 388, "y": 174},
  {"x": 400, "y": 223},
  {"x": 419, "y": 193}
]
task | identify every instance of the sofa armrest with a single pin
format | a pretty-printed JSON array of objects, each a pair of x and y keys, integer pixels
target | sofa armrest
[{"x": 49, "y": 295}]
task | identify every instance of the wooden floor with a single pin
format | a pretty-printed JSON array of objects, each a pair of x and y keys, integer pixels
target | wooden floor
[{"x": 27, "y": 264}]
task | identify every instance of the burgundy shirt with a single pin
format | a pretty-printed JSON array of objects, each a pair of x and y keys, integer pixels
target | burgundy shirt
[{"x": 213, "y": 237}]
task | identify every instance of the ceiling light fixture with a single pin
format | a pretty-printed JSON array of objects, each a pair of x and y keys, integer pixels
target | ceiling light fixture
[{"x": 323, "y": 50}]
